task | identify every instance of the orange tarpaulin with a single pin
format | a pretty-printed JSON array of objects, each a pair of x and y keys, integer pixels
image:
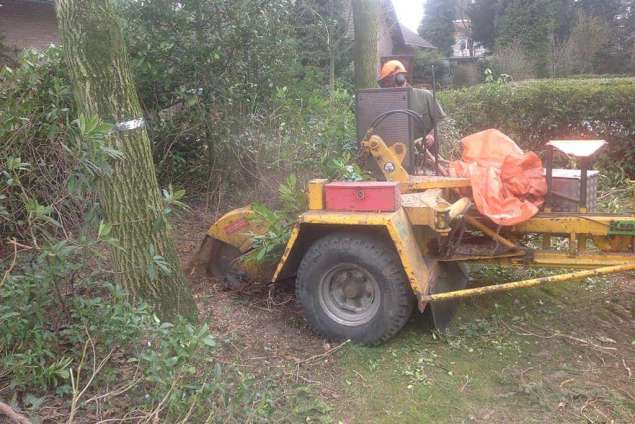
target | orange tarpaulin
[{"x": 508, "y": 185}]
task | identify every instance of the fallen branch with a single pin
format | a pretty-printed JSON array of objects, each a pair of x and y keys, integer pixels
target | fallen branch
[
  {"x": 628, "y": 370},
  {"x": 325, "y": 354},
  {"x": 13, "y": 261},
  {"x": 77, "y": 394},
  {"x": 13, "y": 416},
  {"x": 526, "y": 332}
]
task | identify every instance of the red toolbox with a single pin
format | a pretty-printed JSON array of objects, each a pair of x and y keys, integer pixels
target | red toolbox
[{"x": 363, "y": 196}]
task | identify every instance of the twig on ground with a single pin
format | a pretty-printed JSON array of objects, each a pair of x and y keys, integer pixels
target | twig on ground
[
  {"x": 567, "y": 381},
  {"x": 360, "y": 376},
  {"x": 13, "y": 260},
  {"x": 154, "y": 415},
  {"x": 12, "y": 415},
  {"x": 525, "y": 332},
  {"x": 119, "y": 391},
  {"x": 628, "y": 370},
  {"x": 467, "y": 381},
  {"x": 119, "y": 420},
  {"x": 185, "y": 420},
  {"x": 77, "y": 395},
  {"x": 325, "y": 354}
]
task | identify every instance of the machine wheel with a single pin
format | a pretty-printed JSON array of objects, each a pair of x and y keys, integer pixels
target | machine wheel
[{"x": 352, "y": 286}]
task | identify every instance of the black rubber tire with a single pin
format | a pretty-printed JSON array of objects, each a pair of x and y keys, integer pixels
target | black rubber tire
[{"x": 378, "y": 257}]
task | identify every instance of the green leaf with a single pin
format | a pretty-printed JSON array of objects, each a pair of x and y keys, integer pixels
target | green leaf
[{"x": 209, "y": 341}]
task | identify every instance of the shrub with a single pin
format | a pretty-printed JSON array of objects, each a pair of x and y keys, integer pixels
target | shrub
[
  {"x": 35, "y": 108},
  {"x": 534, "y": 112},
  {"x": 513, "y": 60},
  {"x": 64, "y": 329},
  {"x": 70, "y": 336},
  {"x": 581, "y": 51}
]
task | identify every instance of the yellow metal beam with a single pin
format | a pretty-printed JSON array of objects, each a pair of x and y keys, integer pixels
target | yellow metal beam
[
  {"x": 597, "y": 225},
  {"x": 418, "y": 183},
  {"x": 480, "y": 291},
  {"x": 564, "y": 259},
  {"x": 346, "y": 218}
]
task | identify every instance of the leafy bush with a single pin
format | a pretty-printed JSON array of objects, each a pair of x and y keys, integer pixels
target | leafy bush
[
  {"x": 35, "y": 109},
  {"x": 513, "y": 60},
  {"x": 66, "y": 329},
  {"x": 534, "y": 112},
  {"x": 71, "y": 339},
  {"x": 203, "y": 69},
  {"x": 224, "y": 121}
]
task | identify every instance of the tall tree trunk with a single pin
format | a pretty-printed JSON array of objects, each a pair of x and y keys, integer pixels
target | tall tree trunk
[
  {"x": 331, "y": 46},
  {"x": 366, "y": 21},
  {"x": 97, "y": 61}
]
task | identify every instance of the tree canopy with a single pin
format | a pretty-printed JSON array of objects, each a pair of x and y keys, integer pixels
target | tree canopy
[
  {"x": 539, "y": 25},
  {"x": 437, "y": 25}
]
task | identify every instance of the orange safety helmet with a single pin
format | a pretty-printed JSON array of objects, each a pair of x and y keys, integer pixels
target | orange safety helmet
[{"x": 391, "y": 68}]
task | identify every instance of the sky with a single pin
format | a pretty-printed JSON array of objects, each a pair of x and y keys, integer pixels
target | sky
[{"x": 410, "y": 12}]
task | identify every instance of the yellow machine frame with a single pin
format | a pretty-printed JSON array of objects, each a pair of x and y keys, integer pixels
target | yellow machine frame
[{"x": 426, "y": 214}]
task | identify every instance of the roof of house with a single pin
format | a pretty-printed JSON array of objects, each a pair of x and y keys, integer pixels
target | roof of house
[
  {"x": 399, "y": 31},
  {"x": 411, "y": 38},
  {"x": 402, "y": 32}
]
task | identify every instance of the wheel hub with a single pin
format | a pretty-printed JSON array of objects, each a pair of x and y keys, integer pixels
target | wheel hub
[{"x": 349, "y": 294}]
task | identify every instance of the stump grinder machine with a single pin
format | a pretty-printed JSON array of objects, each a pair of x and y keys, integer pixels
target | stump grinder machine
[{"x": 365, "y": 254}]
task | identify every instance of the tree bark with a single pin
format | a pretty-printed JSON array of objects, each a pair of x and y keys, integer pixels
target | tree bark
[
  {"x": 366, "y": 21},
  {"x": 97, "y": 61}
]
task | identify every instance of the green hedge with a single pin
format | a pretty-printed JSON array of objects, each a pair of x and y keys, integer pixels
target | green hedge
[{"x": 534, "y": 112}]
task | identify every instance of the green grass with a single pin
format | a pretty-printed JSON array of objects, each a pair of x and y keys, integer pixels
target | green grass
[{"x": 488, "y": 369}]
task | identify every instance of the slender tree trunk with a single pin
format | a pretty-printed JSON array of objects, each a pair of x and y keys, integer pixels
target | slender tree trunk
[
  {"x": 97, "y": 61},
  {"x": 366, "y": 20},
  {"x": 331, "y": 42}
]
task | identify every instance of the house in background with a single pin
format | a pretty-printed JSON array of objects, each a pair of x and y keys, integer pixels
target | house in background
[
  {"x": 27, "y": 24},
  {"x": 465, "y": 67},
  {"x": 464, "y": 45}
]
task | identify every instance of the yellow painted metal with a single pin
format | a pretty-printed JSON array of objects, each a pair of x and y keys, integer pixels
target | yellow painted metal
[
  {"x": 422, "y": 207},
  {"x": 562, "y": 259},
  {"x": 419, "y": 271},
  {"x": 421, "y": 216},
  {"x": 287, "y": 252},
  {"x": 401, "y": 232},
  {"x": 237, "y": 228},
  {"x": 614, "y": 243},
  {"x": 315, "y": 194},
  {"x": 387, "y": 159},
  {"x": 480, "y": 291},
  {"x": 400, "y": 150},
  {"x": 558, "y": 223},
  {"x": 573, "y": 245},
  {"x": 425, "y": 214},
  {"x": 346, "y": 218},
  {"x": 418, "y": 183}
]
